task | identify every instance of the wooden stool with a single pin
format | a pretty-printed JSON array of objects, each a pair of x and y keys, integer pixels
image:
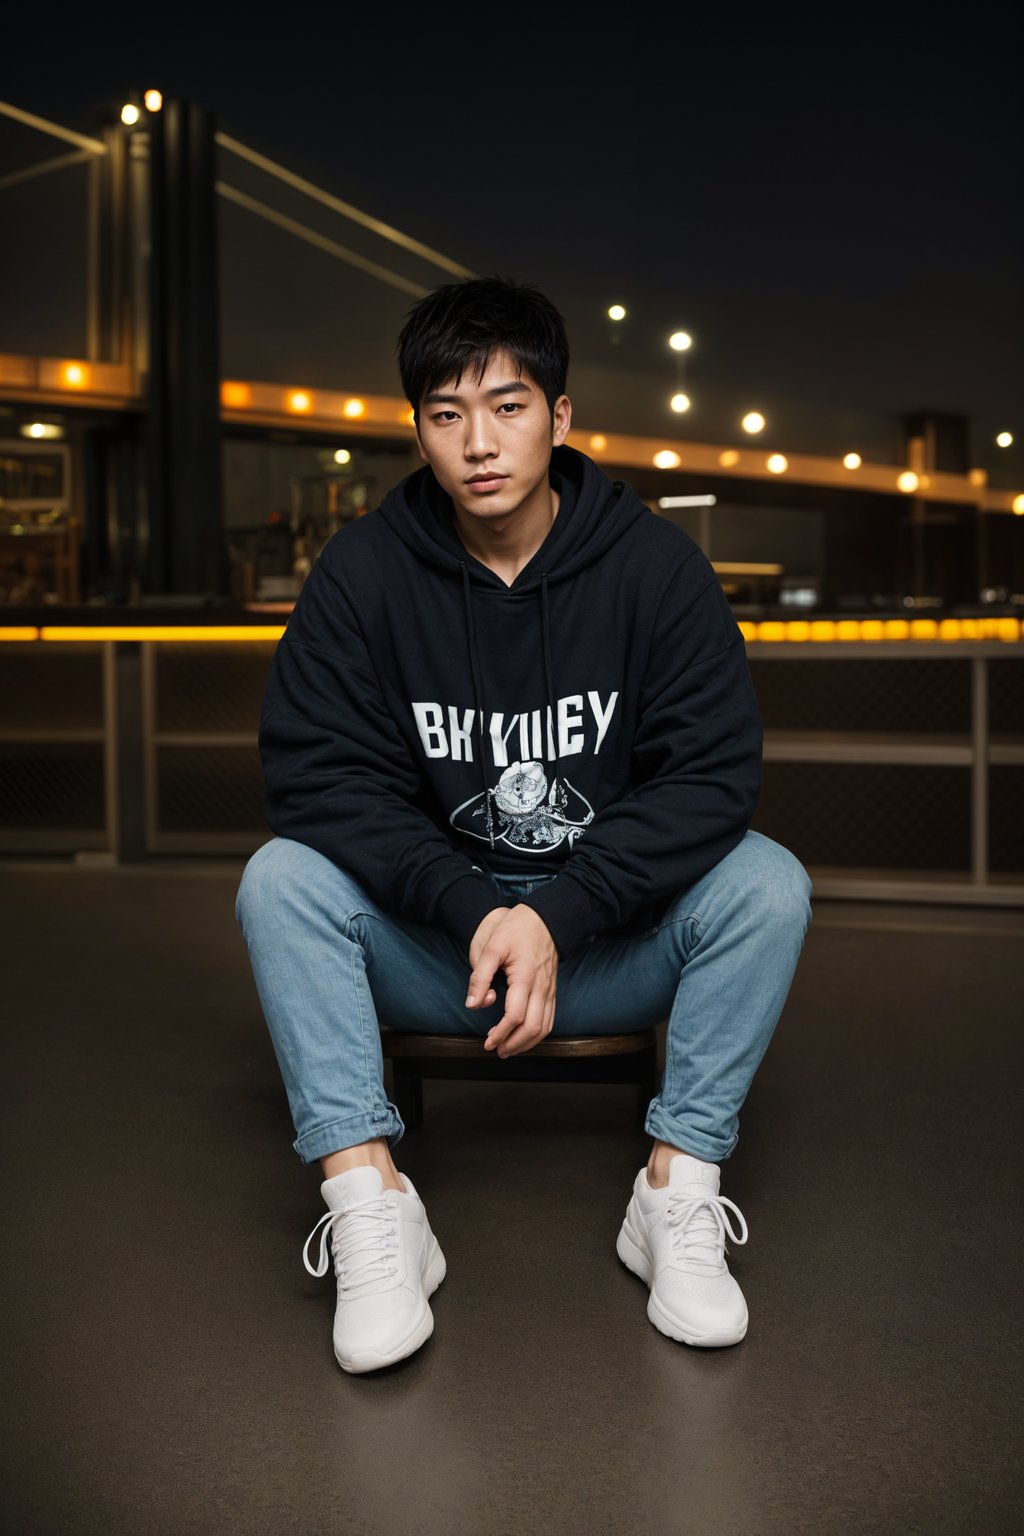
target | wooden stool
[{"x": 631, "y": 1058}]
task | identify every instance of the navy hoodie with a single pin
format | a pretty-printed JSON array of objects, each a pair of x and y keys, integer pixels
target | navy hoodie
[{"x": 425, "y": 724}]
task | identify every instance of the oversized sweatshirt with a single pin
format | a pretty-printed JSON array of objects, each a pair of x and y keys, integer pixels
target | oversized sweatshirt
[{"x": 425, "y": 725}]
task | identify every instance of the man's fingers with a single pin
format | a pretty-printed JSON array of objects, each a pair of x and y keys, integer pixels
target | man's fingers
[
  {"x": 480, "y": 980},
  {"x": 523, "y": 1036},
  {"x": 516, "y": 1000},
  {"x": 490, "y": 997}
]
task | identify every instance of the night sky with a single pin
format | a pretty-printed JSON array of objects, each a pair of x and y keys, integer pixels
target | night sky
[{"x": 834, "y": 211}]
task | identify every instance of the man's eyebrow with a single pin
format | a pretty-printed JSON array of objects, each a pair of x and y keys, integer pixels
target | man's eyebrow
[{"x": 517, "y": 387}]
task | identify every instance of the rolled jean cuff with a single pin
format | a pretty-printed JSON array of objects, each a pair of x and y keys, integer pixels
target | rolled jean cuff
[
  {"x": 340, "y": 1134},
  {"x": 708, "y": 1148}
]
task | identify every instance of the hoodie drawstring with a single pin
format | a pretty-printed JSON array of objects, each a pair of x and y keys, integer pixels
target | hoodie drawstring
[
  {"x": 471, "y": 642},
  {"x": 478, "y": 692},
  {"x": 546, "y": 628}
]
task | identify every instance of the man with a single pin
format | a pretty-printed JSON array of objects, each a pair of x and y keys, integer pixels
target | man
[{"x": 510, "y": 734}]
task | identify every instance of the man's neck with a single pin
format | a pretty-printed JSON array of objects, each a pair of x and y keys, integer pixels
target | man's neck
[{"x": 508, "y": 545}]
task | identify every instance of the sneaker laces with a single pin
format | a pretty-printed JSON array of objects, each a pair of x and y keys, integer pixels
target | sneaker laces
[
  {"x": 368, "y": 1227},
  {"x": 701, "y": 1222}
]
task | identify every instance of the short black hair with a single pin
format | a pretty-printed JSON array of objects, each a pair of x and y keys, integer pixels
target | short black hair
[{"x": 459, "y": 325}]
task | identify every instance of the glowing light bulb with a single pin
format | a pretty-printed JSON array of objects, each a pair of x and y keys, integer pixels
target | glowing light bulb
[
  {"x": 299, "y": 401},
  {"x": 666, "y": 459},
  {"x": 1004, "y": 439},
  {"x": 74, "y": 375},
  {"x": 753, "y": 422},
  {"x": 729, "y": 459},
  {"x": 153, "y": 100},
  {"x": 342, "y": 456},
  {"x": 1018, "y": 505},
  {"x": 130, "y": 114},
  {"x": 680, "y": 341},
  {"x": 598, "y": 442},
  {"x": 617, "y": 312},
  {"x": 680, "y": 402},
  {"x": 908, "y": 481},
  {"x": 778, "y": 464},
  {"x": 354, "y": 408},
  {"x": 237, "y": 397},
  {"x": 852, "y": 461}
]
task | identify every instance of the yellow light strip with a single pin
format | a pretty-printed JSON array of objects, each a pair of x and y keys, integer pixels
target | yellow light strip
[
  {"x": 790, "y": 630},
  {"x": 943, "y": 630},
  {"x": 216, "y": 632}
]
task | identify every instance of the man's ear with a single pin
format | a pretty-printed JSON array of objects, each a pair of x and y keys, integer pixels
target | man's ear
[{"x": 562, "y": 420}]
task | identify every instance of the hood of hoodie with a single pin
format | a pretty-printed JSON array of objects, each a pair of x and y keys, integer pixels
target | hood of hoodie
[{"x": 594, "y": 512}]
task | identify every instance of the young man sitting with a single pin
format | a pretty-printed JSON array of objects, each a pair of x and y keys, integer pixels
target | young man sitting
[{"x": 510, "y": 736}]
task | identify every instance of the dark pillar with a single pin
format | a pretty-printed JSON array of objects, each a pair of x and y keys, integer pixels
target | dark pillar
[
  {"x": 945, "y": 443},
  {"x": 186, "y": 551},
  {"x": 111, "y": 235},
  {"x": 939, "y": 558}
]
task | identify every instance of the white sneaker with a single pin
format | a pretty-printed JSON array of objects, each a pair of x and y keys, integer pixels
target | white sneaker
[
  {"x": 387, "y": 1262},
  {"x": 674, "y": 1239}
]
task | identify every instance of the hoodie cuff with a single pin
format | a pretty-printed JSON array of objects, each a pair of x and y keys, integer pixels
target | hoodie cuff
[
  {"x": 465, "y": 904},
  {"x": 567, "y": 911}
]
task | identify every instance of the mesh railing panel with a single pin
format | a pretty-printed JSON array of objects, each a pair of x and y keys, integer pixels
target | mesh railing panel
[
  {"x": 54, "y": 787},
  {"x": 211, "y": 688},
  {"x": 833, "y": 694},
  {"x": 869, "y": 815},
  {"x": 210, "y": 789},
  {"x": 1006, "y": 696},
  {"x": 1006, "y": 819},
  {"x": 51, "y": 687}
]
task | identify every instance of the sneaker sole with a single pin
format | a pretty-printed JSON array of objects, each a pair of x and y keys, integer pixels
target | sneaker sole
[
  {"x": 637, "y": 1262},
  {"x": 373, "y": 1359}
]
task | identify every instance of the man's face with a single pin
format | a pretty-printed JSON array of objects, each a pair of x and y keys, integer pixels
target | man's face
[{"x": 499, "y": 428}]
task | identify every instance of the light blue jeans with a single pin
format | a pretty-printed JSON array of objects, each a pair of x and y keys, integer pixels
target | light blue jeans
[{"x": 330, "y": 967}]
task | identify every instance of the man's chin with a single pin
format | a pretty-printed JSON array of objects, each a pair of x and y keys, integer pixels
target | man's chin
[{"x": 482, "y": 503}]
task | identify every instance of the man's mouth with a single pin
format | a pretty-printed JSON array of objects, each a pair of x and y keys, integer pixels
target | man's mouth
[{"x": 486, "y": 482}]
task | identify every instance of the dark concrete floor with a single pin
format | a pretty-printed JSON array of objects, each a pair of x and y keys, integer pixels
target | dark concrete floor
[{"x": 169, "y": 1367}]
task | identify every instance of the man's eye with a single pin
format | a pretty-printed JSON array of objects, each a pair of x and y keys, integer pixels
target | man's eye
[{"x": 510, "y": 405}]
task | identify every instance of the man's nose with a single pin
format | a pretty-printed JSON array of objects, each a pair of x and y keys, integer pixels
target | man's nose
[{"x": 481, "y": 439}]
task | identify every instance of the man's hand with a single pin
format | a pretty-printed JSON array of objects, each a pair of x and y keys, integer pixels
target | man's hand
[{"x": 517, "y": 940}]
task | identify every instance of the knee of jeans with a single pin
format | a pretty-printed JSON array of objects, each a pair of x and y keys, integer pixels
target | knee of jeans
[
  {"x": 782, "y": 886},
  {"x": 278, "y": 869}
]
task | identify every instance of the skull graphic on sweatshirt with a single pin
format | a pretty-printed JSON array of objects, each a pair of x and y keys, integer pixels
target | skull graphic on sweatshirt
[{"x": 526, "y": 812}]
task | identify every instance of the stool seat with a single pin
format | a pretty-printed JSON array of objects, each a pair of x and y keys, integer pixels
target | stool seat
[{"x": 624, "y": 1058}]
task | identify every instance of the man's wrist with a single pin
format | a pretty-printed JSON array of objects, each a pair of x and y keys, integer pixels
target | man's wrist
[{"x": 464, "y": 906}]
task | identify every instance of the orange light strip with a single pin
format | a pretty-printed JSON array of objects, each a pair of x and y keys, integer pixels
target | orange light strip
[
  {"x": 66, "y": 376},
  {"x": 352, "y": 411}
]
